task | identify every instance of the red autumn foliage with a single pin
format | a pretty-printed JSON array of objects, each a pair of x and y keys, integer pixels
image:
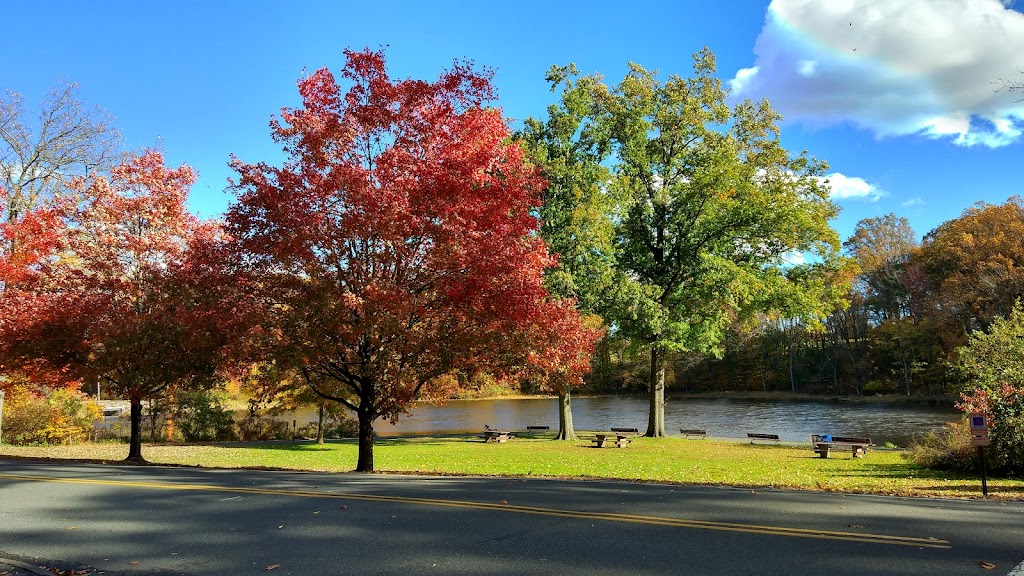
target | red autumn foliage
[
  {"x": 120, "y": 299},
  {"x": 398, "y": 244}
]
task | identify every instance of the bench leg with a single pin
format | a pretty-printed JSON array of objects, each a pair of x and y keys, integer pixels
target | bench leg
[
  {"x": 858, "y": 452},
  {"x": 823, "y": 453}
]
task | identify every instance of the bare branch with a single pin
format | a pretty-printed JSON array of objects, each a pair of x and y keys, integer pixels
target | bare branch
[{"x": 38, "y": 156}]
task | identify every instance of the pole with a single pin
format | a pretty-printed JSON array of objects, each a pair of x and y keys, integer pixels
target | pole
[
  {"x": 293, "y": 431},
  {"x": 984, "y": 472},
  {"x": 1, "y": 416}
]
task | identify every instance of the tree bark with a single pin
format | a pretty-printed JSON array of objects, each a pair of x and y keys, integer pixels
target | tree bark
[
  {"x": 565, "y": 428},
  {"x": 656, "y": 419},
  {"x": 320, "y": 424},
  {"x": 135, "y": 442},
  {"x": 365, "y": 462}
]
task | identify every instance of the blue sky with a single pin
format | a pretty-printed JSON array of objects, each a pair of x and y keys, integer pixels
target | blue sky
[{"x": 894, "y": 94}]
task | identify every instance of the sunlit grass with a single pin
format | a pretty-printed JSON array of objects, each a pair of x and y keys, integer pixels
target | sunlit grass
[{"x": 667, "y": 460}]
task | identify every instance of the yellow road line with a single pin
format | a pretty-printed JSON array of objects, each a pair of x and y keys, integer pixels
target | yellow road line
[{"x": 578, "y": 514}]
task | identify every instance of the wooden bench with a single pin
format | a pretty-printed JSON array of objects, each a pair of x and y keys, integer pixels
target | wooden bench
[
  {"x": 621, "y": 435},
  {"x": 768, "y": 437},
  {"x": 687, "y": 432},
  {"x": 496, "y": 436},
  {"x": 823, "y": 444}
]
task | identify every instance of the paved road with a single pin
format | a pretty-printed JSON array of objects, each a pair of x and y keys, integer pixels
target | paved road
[{"x": 156, "y": 520}]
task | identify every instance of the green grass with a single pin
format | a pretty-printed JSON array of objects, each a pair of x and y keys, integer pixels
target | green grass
[{"x": 667, "y": 460}]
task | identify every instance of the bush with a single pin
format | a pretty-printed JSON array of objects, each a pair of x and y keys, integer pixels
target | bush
[
  {"x": 340, "y": 426},
  {"x": 200, "y": 416},
  {"x": 1005, "y": 409},
  {"x": 993, "y": 362},
  {"x": 948, "y": 449},
  {"x": 63, "y": 417},
  {"x": 256, "y": 427}
]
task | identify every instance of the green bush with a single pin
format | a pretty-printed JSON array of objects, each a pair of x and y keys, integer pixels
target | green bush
[
  {"x": 993, "y": 362},
  {"x": 200, "y": 416}
]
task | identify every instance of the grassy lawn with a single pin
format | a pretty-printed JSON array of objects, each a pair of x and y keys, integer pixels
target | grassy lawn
[{"x": 668, "y": 460}]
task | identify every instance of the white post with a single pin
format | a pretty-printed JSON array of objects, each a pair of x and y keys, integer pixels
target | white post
[{"x": 1, "y": 416}]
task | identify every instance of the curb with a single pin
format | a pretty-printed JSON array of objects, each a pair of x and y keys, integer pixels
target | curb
[{"x": 27, "y": 567}]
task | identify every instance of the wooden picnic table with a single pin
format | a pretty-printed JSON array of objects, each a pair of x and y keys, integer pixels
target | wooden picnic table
[
  {"x": 822, "y": 444},
  {"x": 621, "y": 435},
  {"x": 490, "y": 435}
]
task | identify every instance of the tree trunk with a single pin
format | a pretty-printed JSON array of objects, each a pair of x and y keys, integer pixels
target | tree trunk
[
  {"x": 320, "y": 424},
  {"x": 135, "y": 443},
  {"x": 565, "y": 429},
  {"x": 656, "y": 419},
  {"x": 365, "y": 463}
]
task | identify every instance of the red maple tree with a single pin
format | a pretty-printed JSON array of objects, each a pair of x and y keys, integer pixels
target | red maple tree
[
  {"x": 397, "y": 244},
  {"x": 120, "y": 299}
]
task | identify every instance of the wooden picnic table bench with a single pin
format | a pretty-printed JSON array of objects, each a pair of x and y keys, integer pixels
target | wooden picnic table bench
[
  {"x": 693, "y": 432},
  {"x": 490, "y": 435},
  {"x": 755, "y": 436},
  {"x": 822, "y": 444},
  {"x": 621, "y": 435}
]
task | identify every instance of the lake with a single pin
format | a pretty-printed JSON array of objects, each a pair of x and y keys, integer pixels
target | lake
[{"x": 730, "y": 418}]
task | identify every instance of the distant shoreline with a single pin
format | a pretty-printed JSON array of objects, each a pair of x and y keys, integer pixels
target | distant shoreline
[{"x": 943, "y": 400}]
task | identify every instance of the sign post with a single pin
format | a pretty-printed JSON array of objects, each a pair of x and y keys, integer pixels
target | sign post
[
  {"x": 979, "y": 438},
  {"x": 1, "y": 416}
]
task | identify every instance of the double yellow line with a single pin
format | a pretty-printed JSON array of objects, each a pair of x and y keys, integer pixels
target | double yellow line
[{"x": 577, "y": 514}]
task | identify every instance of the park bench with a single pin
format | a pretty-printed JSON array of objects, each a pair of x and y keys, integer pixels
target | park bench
[
  {"x": 538, "y": 428},
  {"x": 822, "y": 444},
  {"x": 687, "y": 432},
  {"x": 768, "y": 437},
  {"x": 621, "y": 435},
  {"x": 491, "y": 435}
]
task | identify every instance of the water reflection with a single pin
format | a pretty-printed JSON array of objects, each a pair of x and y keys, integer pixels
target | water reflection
[{"x": 731, "y": 418}]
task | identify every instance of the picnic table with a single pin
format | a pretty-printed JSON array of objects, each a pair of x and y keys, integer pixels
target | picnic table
[
  {"x": 491, "y": 435},
  {"x": 621, "y": 435},
  {"x": 822, "y": 444}
]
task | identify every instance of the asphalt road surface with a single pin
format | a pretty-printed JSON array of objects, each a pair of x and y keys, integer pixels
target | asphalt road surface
[{"x": 166, "y": 520}]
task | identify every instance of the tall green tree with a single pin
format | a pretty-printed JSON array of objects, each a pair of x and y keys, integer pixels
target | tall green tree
[
  {"x": 576, "y": 212},
  {"x": 713, "y": 208}
]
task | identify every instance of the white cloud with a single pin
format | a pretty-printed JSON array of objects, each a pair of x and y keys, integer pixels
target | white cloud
[
  {"x": 807, "y": 68},
  {"x": 852, "y": 188},
  {"x": 912, "y": 202},
  {"x": 895, "y": 67}
]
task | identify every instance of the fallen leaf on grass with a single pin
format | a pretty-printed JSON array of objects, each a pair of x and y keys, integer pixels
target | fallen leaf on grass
[
  {"x": 273, "y": 567},
  {"x": 987, "y": 565}
]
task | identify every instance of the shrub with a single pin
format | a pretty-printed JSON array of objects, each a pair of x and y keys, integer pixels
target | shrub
[
  {"x": 63, "y": 417},
  {"x": 948, "y": 449},
  {"x": 200, "y": 416},
  {"x": 257, "y": 427},
  {"x": 993, "y": 362}
]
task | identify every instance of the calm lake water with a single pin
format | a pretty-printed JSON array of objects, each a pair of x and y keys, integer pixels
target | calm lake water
[{"x": 791, "y": 420}]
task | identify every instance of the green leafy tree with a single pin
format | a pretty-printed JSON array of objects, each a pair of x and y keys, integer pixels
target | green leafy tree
[
  {"x": 713, "y": 207},
  {"x": 576, "y": 212},
  {"x": 993, "y": 363}
]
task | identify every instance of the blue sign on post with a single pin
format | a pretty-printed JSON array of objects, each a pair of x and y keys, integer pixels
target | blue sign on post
[{"x": 978, "y": 423}]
